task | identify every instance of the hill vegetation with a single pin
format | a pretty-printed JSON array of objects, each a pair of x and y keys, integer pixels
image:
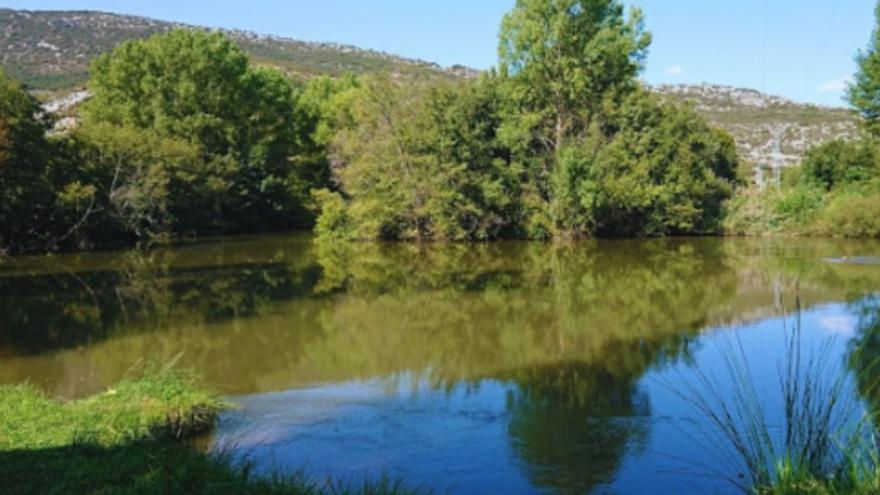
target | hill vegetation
[{"x": 52, "y": 50}]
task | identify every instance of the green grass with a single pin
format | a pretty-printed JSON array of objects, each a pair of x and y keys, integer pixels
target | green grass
[
  {"x": 134, "y": 439},
  {"x": 159, "y": 406}
]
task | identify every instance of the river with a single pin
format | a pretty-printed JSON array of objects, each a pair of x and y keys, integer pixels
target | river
[{"x": 509, "y": 367}]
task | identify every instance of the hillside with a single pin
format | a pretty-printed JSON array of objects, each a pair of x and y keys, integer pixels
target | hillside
[
  {"x": 767, "y": 129},
  {"x": 50, "y": 51}
]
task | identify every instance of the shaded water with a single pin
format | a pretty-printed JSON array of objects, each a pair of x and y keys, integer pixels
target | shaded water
[{"x": 508, "y": 367}]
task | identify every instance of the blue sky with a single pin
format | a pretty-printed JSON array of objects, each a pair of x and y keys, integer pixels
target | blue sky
[{"x": 802, "y": 49}]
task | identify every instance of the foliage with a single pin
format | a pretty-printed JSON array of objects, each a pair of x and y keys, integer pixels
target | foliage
[
  {"x": 565, "y": 58},
  {"x": 561, "y": 142},
  {"x": 852, "y": 214},
  {"x": 23, "y": 170},
  {"x": 864, "y": 92},
  {"x": 798, "y": 205},
  {"x": 334, "y": 220},
  {"x": 33, "y": 170},
  {"x": 838, "y": 162},
  {"x": 244, "y": 123},
  {"x": 421, "y": 161},
  {"x": 182, "y": 136},
  {"x": 655, "y": 169},
  {"x": 146, "y": 183}
]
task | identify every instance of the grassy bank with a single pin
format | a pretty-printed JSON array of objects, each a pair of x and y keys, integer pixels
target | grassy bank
[{"x": 132, "y": 439}]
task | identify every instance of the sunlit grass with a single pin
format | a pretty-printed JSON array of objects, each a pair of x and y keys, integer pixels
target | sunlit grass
[{"x": 133, "y": 439}]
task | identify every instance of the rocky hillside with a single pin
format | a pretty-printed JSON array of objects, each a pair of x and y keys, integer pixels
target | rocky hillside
[
  {"x": 768, "y": 129},
  {"x": 51, "y": 51}
]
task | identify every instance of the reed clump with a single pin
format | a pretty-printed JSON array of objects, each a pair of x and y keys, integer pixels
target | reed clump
[{"x": 822, "y": 444}]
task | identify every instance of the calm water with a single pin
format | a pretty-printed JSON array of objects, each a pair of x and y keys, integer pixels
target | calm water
[{"x": 500, "y": 368}]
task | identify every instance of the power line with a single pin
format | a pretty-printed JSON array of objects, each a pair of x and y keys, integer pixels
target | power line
[{"x": 811, "y": 67}]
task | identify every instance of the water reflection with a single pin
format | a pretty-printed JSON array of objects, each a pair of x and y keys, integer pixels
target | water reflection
[
  {"x": 864, "y": 356},
  {"x": 551, "y": 341},
  {"x": 572, "y": 425},
  {"x": 275, "y": 313}
]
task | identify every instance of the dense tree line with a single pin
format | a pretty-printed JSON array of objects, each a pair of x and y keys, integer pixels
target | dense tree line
[
  {"x": 183, "y": 135},
  {"x": 561, "y": 141}
]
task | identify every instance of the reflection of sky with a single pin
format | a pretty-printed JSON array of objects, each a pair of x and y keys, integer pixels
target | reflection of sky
[
  {"x": 458, "y": 439},
  {"x": 455, "y": 439}
]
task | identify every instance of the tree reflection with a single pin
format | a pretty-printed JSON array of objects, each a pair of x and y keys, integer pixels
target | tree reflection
[
  {"x": 69, "y": 305},
  {"x": 864, "y": 357},
  {"x": 571, "y": 328},
  {"x": 572, "y": 423},
  {"x": 571, "y": 426}
]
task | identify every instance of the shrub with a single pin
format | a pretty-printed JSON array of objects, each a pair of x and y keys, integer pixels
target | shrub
[
  {"x": 852, "y": 215},
  {"x": 840, "y": 162},
  {"x": 333, "y": 219},
  {"x": 799, "y": 205}
]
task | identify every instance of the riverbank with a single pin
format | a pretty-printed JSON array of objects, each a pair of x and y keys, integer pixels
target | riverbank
[{"x": 132, "y": 439}]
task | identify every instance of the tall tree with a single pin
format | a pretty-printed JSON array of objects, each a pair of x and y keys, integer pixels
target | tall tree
[
  {"x": 565, "y": 57},
  {"x": 864, "y": 92}
]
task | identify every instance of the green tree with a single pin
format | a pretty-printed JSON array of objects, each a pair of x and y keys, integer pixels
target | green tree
[
  {"x": 421, "y": 161},
  {"x": 245, "y": 122},
  {"x": 654, "y": 168},
  {"x": 840, "y": 162},
  {"x": 27, "y": 196},
  {"x": 864, "y": 93},
  {"x": 565, "y": 57}
]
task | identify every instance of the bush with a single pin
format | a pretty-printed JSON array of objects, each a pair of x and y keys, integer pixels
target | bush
[
  {"x": 852, "y": 215},
  {"x": 423, "y": 162},
  {"x": 841, "y": 162},
  {"x": 334, "y": 221},
  {"x": 655, "y": 169},
  {"x": 799, "y": 205}
]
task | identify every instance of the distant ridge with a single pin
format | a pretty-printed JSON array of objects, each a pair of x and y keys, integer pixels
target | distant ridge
[
  {"x": 767, "y": 129},
  {"x": 51, "y": 51}
]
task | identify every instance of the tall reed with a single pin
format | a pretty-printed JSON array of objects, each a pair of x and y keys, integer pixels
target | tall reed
[{"x": 820, "y": 442}]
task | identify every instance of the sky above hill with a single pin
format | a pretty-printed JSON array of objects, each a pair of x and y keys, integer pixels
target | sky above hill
[{"x": 802, "y": 49}]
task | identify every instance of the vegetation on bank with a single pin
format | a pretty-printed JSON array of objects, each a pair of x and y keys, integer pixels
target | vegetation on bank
[
  {"x": 836, "y": 190},
  {"x": 132, "y": 439},
  {"x": 185, "y": 136},
  {"x": 546, "y": 146}
]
